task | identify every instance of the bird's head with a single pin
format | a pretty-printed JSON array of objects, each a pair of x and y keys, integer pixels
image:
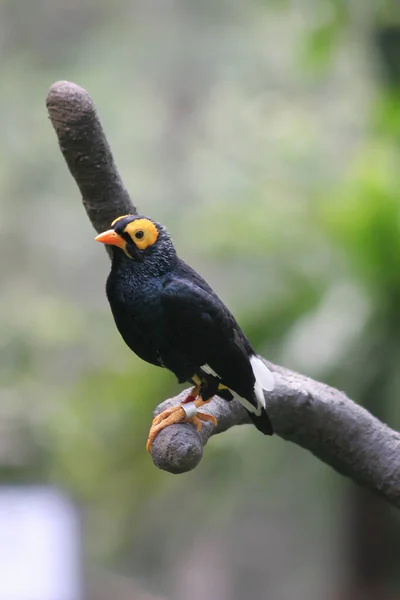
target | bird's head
[{"x": 139, "y": 238}]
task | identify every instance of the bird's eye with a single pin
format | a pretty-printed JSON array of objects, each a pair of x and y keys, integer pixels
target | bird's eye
[{"x": 139, "y": 235}]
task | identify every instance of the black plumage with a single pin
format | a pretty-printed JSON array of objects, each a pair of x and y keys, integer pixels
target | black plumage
[{"x": 170, "y": 317}]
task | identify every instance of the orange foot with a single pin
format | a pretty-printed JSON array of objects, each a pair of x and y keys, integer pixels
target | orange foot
[{"x": 178, "y": 414}]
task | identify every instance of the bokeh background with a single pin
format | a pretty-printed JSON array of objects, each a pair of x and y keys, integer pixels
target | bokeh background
[{"x": 265, "y": 136}]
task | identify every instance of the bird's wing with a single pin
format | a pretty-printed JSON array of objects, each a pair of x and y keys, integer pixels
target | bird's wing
[{"x": 202, "y": 330}]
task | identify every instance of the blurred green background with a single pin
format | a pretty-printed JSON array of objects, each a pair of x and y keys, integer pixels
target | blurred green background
[{"x": 265, "y": 136}]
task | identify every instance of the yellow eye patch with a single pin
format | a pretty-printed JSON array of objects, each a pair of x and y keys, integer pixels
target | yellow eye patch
[{"x": 143, "y": 233}]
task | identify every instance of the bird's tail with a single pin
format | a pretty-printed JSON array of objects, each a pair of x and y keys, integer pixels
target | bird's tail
[
  {"x": 255, "y": 405},
  {"x": 264, "y": 381},
  {"x": 262, "y": 422}
]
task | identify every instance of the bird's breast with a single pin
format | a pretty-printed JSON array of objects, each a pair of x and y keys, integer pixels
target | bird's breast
[{"x": 138, "y": 316}]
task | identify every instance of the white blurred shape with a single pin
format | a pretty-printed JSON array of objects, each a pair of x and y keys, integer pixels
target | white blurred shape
[{"x": 39, "y": 545}]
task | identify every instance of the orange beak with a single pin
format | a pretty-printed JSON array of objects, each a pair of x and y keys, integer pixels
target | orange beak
[{"x": 111, "y": 238}]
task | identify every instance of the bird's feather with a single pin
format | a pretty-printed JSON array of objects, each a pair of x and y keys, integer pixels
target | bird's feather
[
  {"x": 264, "y": 378},
  {"x": 200, "y": 327},
  {"x": 209, "y": 334}
]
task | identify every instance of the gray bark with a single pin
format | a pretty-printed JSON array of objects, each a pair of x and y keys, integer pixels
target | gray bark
[{"x": 314, "y": 416}]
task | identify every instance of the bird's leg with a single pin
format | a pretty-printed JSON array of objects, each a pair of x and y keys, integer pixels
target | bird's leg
[
  {"x": 181, "y": 414},
  {"x": 194, "y": 416},
  {"x": 197, "y": 419},
  {"x": 169, "y": 411},
  {"x": 208, "y": 388}
]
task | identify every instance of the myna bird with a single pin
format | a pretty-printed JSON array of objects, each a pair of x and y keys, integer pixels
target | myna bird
[{"x": 170, "y": 317}]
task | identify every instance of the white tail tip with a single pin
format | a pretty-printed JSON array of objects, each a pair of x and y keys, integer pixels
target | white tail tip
[{"x": 262, "y": 374}]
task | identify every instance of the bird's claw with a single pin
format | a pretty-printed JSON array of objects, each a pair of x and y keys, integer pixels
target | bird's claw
[
  {"x": 170, "y": 416},
  {"x": 165, "y": 414},
  {"x": 197, "y": 420},
  {"x": 174, "y": 415}
]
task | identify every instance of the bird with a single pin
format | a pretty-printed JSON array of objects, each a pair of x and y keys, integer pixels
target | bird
[{"x": 170, "y": 317}]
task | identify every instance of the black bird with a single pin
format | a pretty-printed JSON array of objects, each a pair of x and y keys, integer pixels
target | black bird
[{"x": 170, "y": 317}]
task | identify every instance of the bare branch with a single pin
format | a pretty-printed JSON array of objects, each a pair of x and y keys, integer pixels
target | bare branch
[
  {"x": 319, "y": 418},
  {"x": 87, "y": 154}
]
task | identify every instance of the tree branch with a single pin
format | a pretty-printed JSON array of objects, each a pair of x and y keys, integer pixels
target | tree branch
[
  {"x": 87, "y": 154},
  {"x": 314, "y": 416}
]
